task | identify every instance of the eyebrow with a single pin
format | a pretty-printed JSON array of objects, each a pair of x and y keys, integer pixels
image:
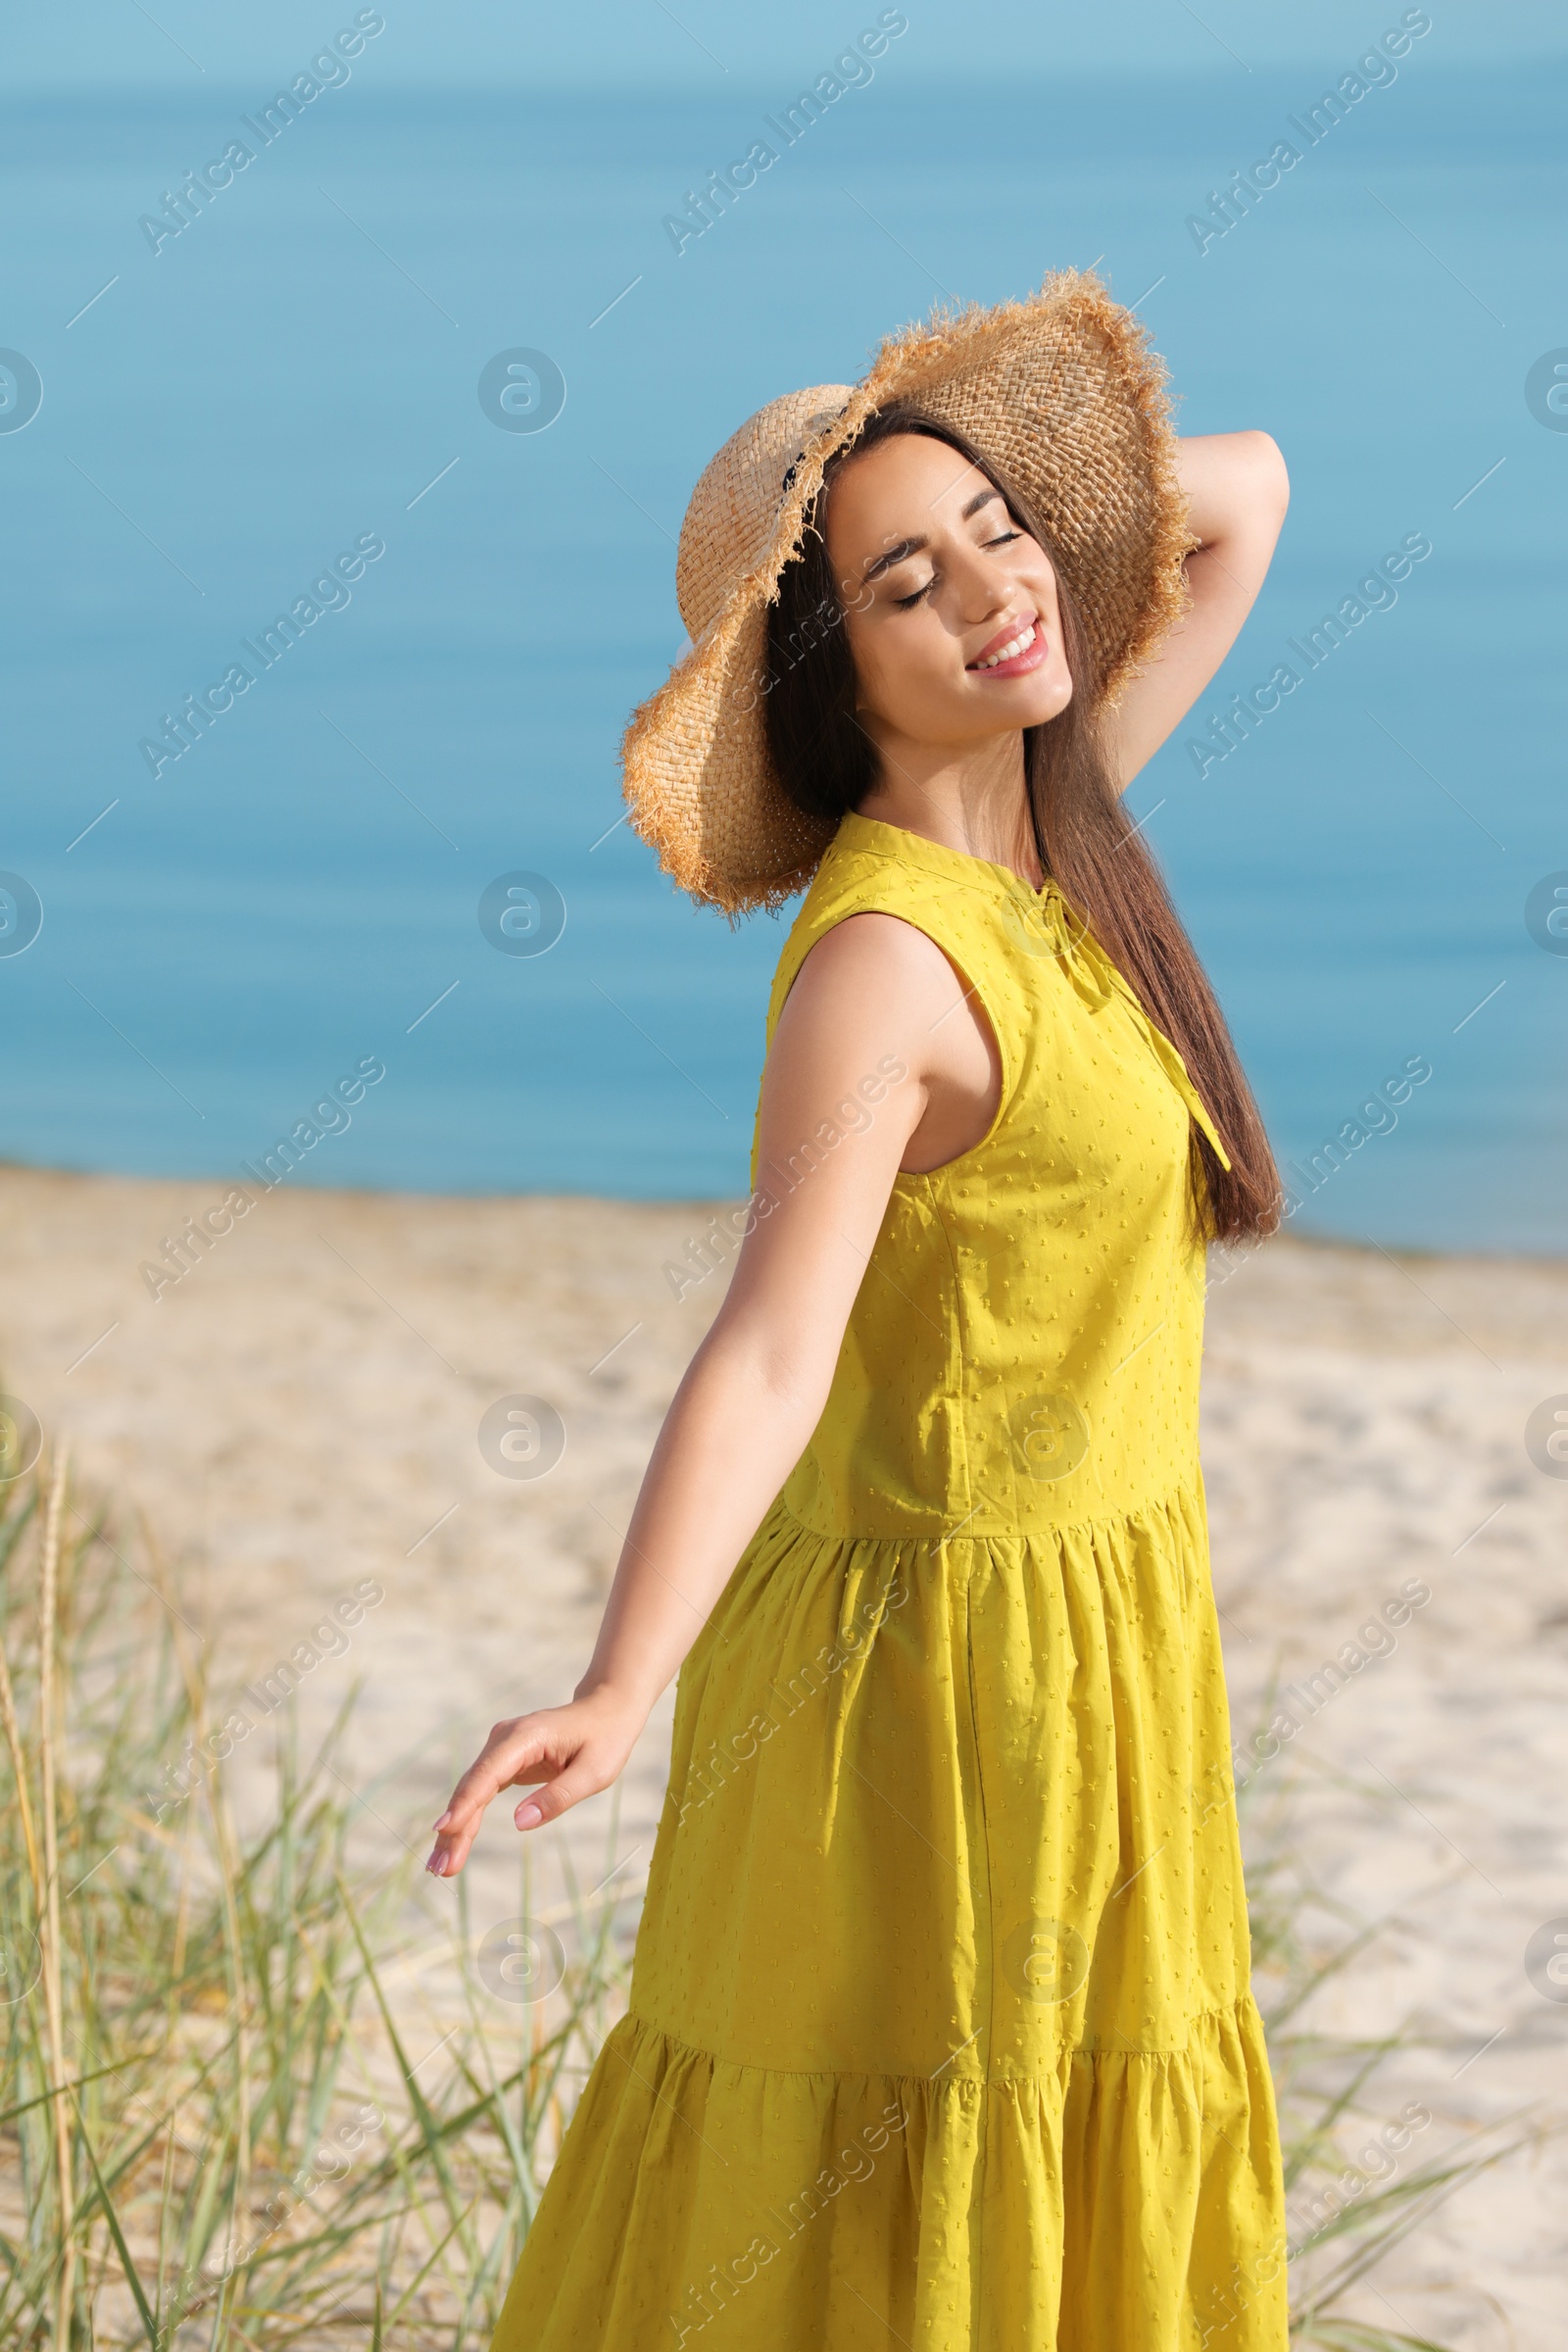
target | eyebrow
[{"x": 911, "y": 547}]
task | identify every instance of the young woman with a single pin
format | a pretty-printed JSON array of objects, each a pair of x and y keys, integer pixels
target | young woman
[{"x": 941, "y": 2031}]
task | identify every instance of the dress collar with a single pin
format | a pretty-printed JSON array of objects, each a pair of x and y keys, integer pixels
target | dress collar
[{"x": 871, "y": 834}]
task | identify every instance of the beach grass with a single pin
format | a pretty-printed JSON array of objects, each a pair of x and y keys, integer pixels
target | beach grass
[
  {"x": 258, "y": 2092},
  {"x": 216, "y": 2127}
]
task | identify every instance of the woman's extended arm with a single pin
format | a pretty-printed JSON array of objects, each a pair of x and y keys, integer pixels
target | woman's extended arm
[
  {"x": 860, "y": 1045},
  {"x": 1236, "y": 490}
]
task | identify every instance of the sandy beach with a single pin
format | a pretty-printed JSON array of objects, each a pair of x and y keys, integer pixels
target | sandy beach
[{"x": 301, "y": 1412}]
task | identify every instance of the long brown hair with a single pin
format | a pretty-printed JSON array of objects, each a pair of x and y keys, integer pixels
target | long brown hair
[{"x": 827, "y": 765}]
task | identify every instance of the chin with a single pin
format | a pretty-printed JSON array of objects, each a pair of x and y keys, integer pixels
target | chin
[{"x": 1048, "y": 701}]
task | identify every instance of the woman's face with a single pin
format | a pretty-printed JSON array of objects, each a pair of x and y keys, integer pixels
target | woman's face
[{"x": 938, "y": 583}]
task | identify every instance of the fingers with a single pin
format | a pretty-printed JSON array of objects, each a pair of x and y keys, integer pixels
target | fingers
[
  {"x": 558, "y": 1796},
  {"x": 574, "y": 1751},
  {"x": 456, "y": 1834},
  {"x": 529, "y": 1749},
  {"x": 510, "y": 1755}
]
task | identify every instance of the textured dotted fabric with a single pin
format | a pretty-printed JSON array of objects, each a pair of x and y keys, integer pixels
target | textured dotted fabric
[{"x": 941, "y": 2030}]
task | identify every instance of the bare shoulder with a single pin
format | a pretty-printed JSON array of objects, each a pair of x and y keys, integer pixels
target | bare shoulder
[
  {"x": 878, "y": 951},
  {"x": 874, "y": 978},
  {"x": 877, "y": 997}
]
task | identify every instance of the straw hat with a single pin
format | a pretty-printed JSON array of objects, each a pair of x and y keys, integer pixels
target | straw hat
[{"x": 1062, "y": 394}]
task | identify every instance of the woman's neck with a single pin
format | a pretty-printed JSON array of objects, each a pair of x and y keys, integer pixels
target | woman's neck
[{"x": 976, "y": 800}]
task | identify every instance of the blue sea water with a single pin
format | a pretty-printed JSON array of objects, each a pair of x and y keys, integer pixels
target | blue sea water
[{"x": 299, "y": 367}]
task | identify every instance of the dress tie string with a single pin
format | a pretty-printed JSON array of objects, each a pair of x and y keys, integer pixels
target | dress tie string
[{"x": 1051, "y": 928}]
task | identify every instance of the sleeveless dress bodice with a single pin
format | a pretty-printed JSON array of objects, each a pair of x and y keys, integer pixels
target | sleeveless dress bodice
[{"x": 1024, "y": 1350}]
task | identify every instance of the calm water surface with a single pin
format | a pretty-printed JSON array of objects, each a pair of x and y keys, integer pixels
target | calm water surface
[{"x": 285, "y": 378}]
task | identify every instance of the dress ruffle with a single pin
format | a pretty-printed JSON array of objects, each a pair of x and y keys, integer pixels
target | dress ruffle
[{"x": 1098, "y": 2206}]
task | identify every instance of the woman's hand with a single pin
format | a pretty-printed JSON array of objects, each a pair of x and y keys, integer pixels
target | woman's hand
[{"x": 575, "y": 1750}]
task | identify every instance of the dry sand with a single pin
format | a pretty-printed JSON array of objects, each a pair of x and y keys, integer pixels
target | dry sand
[{"x": 301, "y": 1412}]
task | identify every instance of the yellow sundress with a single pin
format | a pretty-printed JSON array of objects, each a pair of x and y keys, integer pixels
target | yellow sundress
[{"x": 941, "y": 2031}]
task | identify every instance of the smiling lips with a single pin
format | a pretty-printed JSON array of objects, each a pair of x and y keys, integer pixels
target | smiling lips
[{"x": 1013, "y": 651}]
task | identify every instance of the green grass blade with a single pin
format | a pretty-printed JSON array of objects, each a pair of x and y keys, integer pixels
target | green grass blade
[{"x": 132, "y": 2276}]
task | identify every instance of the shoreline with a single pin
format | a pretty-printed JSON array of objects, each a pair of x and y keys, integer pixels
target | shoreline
[{"x": 248, "y": 1178}]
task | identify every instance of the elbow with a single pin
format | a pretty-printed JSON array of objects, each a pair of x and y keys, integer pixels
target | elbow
[
  {"x": 789, "y": 1370},
  {"x": 1269, "y": 482},
  {"x": 796, "y": 1378}
]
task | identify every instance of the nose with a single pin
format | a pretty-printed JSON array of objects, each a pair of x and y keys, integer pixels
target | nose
[{"x": 982, "y": 589}]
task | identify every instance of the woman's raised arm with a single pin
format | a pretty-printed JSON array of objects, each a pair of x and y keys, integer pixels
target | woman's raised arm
[{"x": 1238, "y": 491}]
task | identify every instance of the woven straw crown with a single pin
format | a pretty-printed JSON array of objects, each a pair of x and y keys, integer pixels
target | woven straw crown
[{"x": 1061, "y": 394}]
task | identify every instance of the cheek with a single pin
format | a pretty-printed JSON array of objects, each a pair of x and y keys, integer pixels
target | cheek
[{"x": 889, "y": 661}]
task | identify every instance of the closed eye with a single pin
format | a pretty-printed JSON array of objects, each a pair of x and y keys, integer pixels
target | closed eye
[{"x": 904, "y": 603}]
